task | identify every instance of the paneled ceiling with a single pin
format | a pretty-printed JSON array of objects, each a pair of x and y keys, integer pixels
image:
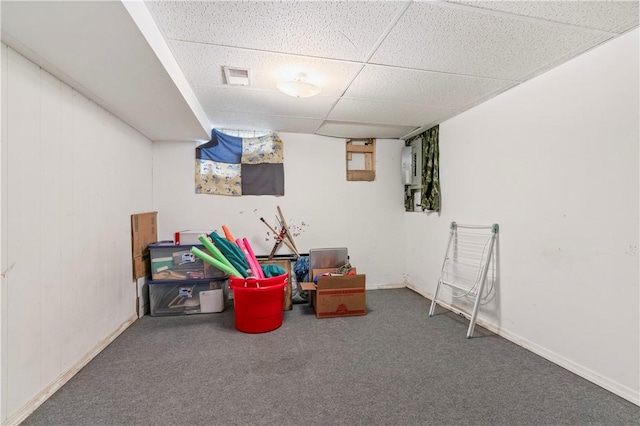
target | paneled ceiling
[{"x": 387, "y": 69}]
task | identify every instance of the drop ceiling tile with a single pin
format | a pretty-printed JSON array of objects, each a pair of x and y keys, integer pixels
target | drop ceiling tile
[
  {"x": 403, "y": 114},
  {"x": 614, "y": 16},
  {"x": 362, "y": 130},
  {"x": 422, "y": 87},
  {"x": 263, "y": 122},
  {"x": 202, "y": 65},
  {"x": 331, "y": 29},
  {"x": 458, "y": 40},
  {"x": 242, "y": 99}
]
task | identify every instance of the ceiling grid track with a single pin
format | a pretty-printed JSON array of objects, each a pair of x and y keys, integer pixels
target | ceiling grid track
[
  {"x": 373, "y": 50},
  {"x": 523, "y": 18},
  {"x": 419, "y": 61}
]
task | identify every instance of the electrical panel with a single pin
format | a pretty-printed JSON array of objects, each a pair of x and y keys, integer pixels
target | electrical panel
[
  {"x": 406, "y": 165},
  {"x": 412, "y": 164}
]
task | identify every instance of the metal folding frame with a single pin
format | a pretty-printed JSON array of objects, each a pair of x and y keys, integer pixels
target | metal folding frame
[{"x": 466, "y": 264}]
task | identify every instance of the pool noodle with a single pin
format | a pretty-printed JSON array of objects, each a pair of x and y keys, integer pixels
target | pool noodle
[
  {"x": 259, "y": 272},
  {"x": 231, "y": 251},
  {"x": 210, "y": 259},
  {"x": 214, "y": 250},
  {"x": 243, "y": 249},
  {"x": 252, "y": 266},
  {"x": 227, "y": 234},
  {"x": 252, "y": 256}
]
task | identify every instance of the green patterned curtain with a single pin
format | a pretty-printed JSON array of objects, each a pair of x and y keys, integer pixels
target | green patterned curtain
[
  {"x": 430, "y": 194},
  {"x": 430, "y": 170}
]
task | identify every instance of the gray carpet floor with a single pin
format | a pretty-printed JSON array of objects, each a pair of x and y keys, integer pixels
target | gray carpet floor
[{"x": 394, "y": 366}]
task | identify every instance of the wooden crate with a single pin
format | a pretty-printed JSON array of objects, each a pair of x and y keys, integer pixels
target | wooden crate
[
  {"x": 366, "y": 148},
  {"x": 286, "y": 264}
]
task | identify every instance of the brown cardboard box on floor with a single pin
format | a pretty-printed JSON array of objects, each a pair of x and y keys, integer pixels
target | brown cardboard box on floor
[
  {"x": 144, "y": 230},
  {"x": 337, "y": 296}
]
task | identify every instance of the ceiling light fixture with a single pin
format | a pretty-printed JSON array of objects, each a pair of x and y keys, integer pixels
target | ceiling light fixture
[{"x": 299, "y": 87}]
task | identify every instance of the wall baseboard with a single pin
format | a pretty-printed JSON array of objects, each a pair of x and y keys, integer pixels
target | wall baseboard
[
  {"x": 590, "y": 375},
  {"x": 28, "y": 408},
  {"x": 385, "y": 286}
]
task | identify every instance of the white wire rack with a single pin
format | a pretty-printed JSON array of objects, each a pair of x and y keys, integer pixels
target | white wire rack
[{"x": 467, "y": 261}]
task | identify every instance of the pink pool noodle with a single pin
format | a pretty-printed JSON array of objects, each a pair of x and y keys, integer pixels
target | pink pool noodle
[
  {"x": 258, "y": 272},
  {"x": 240, "y": 244},
  {"x": 255, "y": 272}
]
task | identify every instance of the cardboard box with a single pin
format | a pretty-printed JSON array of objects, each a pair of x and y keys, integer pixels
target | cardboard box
[
  {"x": 189, "y": 237},
  {"x": 144, "y": 230},
  {"x": 337, "y": 296}
]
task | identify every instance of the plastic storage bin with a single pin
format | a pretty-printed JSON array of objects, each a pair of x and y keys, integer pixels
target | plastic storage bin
[
  {"x": 171, "y": 262},
  {"x": 258, "y": 303},
  {"x": 183, "y": 297}
]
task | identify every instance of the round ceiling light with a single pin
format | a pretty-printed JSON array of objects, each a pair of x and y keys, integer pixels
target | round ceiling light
[{"x": 299, "y": 87}]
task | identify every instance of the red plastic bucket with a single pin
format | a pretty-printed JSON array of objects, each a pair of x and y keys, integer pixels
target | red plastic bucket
[{"x": 258, "y": 303}]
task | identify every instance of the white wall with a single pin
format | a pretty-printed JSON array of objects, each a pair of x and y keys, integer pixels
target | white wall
[
  {"x": 3, "y": 228},
  {"x": 72, "y": 175},
  {"x": 555, "y": 163},
  {"x": 320, "y": 206}
]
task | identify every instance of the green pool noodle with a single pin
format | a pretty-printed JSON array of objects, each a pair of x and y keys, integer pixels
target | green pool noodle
[
  {"x": 214, "y": 250},
  {"x": 232, "y": 252},
  {"x": 215, "y": 262}
]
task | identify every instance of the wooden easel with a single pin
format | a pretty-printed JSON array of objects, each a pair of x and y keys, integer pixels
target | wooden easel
[{"x": 284, "y": 236}]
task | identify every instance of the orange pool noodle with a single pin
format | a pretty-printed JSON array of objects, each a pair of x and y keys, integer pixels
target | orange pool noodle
[{"x": 227, "y": 234}]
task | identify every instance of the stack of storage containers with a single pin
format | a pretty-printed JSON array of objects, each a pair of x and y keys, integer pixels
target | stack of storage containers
[{"x": 183, "y": 284}]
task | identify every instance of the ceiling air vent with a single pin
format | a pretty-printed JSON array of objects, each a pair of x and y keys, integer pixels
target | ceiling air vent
[{"x": 237, "y": 76}]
